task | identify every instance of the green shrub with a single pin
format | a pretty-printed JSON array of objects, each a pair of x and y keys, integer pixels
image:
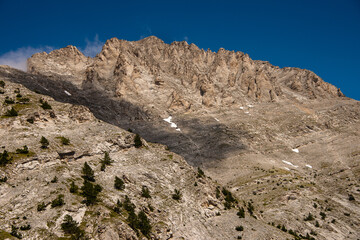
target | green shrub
[
  {"x": 137, "y": 141},
  {"x": 54, "y": 180},
  {"x": 250, "y": 208},
  {"x": 351, "y": 197},
  {"x": 5, "y": 158},
  {"x": 73, "y": 187},
  {"x": 241, "y": 213},
  {"x": 128, "y": 205},
  {"x": 44, "y": 142},
  {"x": 24, "y": 100},
  {"x": 229, "y": 199},
  {"x": 24, "y": 150},
  {"x": 88, "y": 173},
  {"x": 25, "y": 227},
  {"x": 14, "y": 232},
  {"x": 64, "y": 141},
  {"x": 309, "y": 217},
  {"x": 30, "y": 120},
  {"x": 18, "y": 95},
  {"x": 145, "y": 192},
  {"x": 11, "y": 113},
  {"x": 2, "y": 83},
  {"x": 119, "y": 183},
  {"x": 45, "y": 105},
  {"x": 177, "y": 195},
  {"x": 3, "y": 179},
  {"x": 9, "y": 101},
  {"x": 317, "y": 224},
  {"x": 239, "y": 228},
  {"x": 58, "y": 201},
  {"x": 323, "y": 215},
  {"x": 200, "y": 173},
  {"x": 41, "y": 207}
]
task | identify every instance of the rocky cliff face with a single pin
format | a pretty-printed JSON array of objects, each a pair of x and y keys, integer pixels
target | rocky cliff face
[
  {"x": 181, "y": 77},
  {"x": 282, "y": 140}
]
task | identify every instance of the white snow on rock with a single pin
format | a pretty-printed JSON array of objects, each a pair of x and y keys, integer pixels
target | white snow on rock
[
  {"x": 67, "y": 93},
  {"x": 172, "y": 124},
  {"x": 309, "y": 166},
  {"x": 289, "y": 163},
  {"x": 217, "y": 119},
  {"x": 295, "y": 150},
  {"x": 286, "y": 168},
  {"x": 250, "y": 106},
  {"x": 241, "y": 108},
  {"x": 168, "y": 119}
]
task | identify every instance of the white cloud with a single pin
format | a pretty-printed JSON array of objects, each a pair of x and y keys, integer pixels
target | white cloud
[
  {"x": 17, "y": 59},
  {"x": 186, "y": 38},
  {"x": 92, "y": 47}
]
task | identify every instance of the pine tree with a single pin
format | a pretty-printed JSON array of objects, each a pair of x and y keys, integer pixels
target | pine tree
[
  {"x": 88, "y": 173},
  {"x": 5, "y": 158},
  {"x": 145, "y": 192},
  {"x": 137, "y": 141},
  {"x": 144, "y": 223},
  {"x": 90, "y": 192},
  {"x": 73, "y": 187}
]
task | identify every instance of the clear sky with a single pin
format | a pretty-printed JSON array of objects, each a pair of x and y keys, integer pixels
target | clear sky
[{"x": 322, "y": 36}]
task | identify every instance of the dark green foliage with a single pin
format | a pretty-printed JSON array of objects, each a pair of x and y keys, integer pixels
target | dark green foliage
[
  {"x": 64, "y": 141},
  {"x": 14, "y": 232},
  {"x": 323, "y": 215},
  {"x": 25, "y": 227},
  {"x": 24, "y": 100},
  {"x": 309, "y": 217},
  {"x": 70, "y": 226},
  {"x": 73, "y": 187},
  {"x": 151, "y": 208},
  {"x": 283, "y": 228},
  {"x": 132, "y": 221},
  {"x": 128, "y": 205},
  {"x": 58, "y": 201},
  {"x": 45, "y": 105},
  {"x": 5, "y": 158},
  {"x": 250, "y": 208},
  {"x": 44, "y": 142},
  {"x": 239, "y": 237},
  {"x": 1, "y": 91},
  {"x": 200, "y": 173},
  {"x": 18, "y": 95},
  {"x": 105, "y": 161},
  {"x": 2, "y": 83},
  {"x": 312, "y": 232},
  {"x": 24, "y": 150},
  {"x": 88, "y": 173},
  {"x": 351, "y": 197},
  {"x": 317, "y": 224},
  {"x": 229, "y": 199},
  {"x": 90, "y": 192},
  {"x": 144, "y": 224},
  {"x": 119, "y": 183},
  {"x": 315, "y": 205},
  {"x": 177, "y": 195},
  {"x": 137, "y": 141},
  {"x": 118, "y": 206},
  {"x": 3, "y": 179},
  {"x": 9, "y": 101},
  {"x": 41, "y": 207},
  {"x": 239, "y": 228},
  {"x": 17, "y": 90},
  {"x": 11, "y": 113},
  {"x": 333, "y": 221},
  {"x": 54, "y": 180},
  {"x": 30, "y": 120},
  {"x": 145, "y": 192},
  {"x": 241, "y": 212}
]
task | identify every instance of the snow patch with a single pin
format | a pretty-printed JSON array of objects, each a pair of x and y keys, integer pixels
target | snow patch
[
  {"x": 286, "y": 168},
  {"x": 309, "y": 166},
  {"x": 289, "y": 163},
  {"x": 295, "y": 150},
  {"x": 250, "y": 106},
  {"x": 217, "y": 119},
  {"x": 67, "y": 93},
  {"x": 241, "y": 108},
  {"x": 172, "y": 124}
]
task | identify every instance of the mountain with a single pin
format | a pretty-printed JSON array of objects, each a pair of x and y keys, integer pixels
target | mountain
[{"x": 281, "y": 139}]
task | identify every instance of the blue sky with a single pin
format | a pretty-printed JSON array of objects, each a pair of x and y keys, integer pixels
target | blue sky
[{"x": 322, "y": 36}]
